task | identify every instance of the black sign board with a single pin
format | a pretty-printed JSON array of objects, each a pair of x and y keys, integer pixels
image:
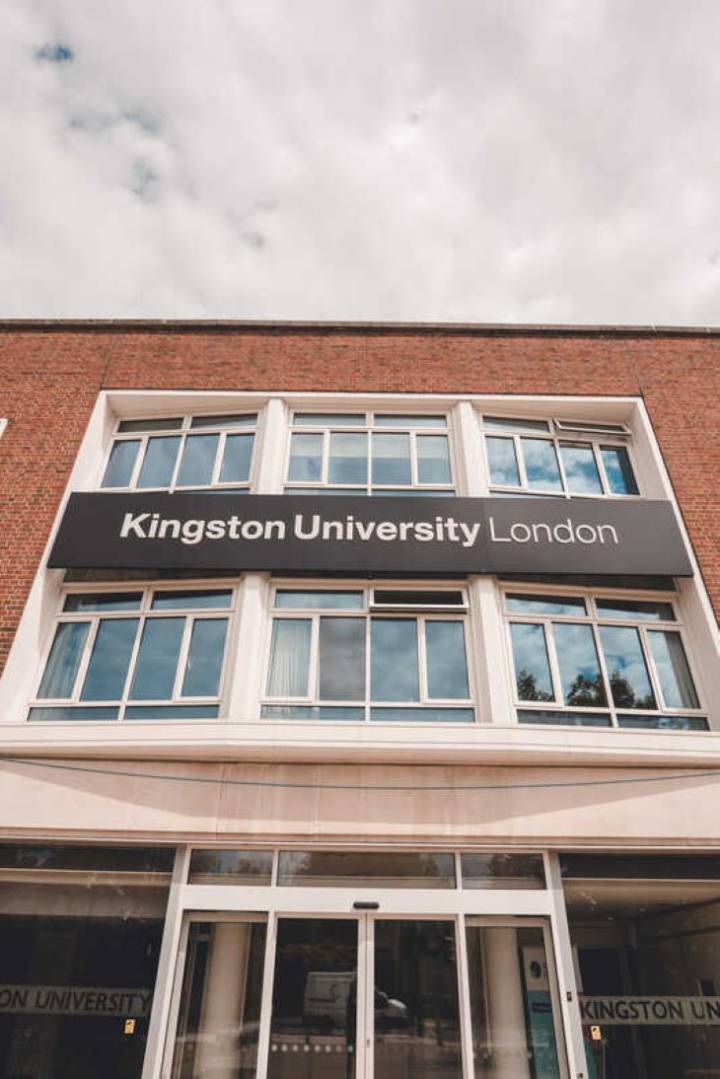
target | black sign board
[{"x": 400, "y": 535}]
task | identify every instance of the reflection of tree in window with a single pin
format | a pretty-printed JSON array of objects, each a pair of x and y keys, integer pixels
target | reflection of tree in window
[
  {"x": 624, "y": 695},
  {"x": 586, "y": 691},
  {"x": 527, "y": 687}
]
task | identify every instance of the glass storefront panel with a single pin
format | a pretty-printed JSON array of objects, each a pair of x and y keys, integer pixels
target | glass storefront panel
[
  {"x": 219, "y": 1022},
  {"x": 80, "y": 934},
  {"x": 646, "y": 943},
  {"x": 513, "y": 1026}
]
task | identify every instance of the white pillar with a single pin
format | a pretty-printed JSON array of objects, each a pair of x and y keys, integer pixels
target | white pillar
[
  {"x": 218, "y": 1052},
  {"x": 505, "y": 1004}
]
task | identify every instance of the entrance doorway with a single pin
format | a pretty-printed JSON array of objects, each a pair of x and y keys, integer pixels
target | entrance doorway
[{"x": 365, "y": 995}]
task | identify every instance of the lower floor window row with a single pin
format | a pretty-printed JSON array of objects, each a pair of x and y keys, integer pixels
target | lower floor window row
[{"x": 428, "y": 984}]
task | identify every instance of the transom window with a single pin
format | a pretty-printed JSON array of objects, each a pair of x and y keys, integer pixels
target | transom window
[
  {"x": 369, "y": 453},
  {"x": 558, "y": 457},
  {"x": 358, "y": 654},
  {"x": 182, "y": 453},
  {"x": 138, "y": 654},
  {"x": 600, "y": 661}
]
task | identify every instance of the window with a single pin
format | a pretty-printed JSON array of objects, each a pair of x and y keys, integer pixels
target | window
[
  {"x": 369, "y": 453},
  {"x": 558, "y": 457},
  {"x": 339, "y": 655},
  {"x": 600, "y": 661},
  {"x": 144, "y": 654},
  {"x": 182, "y": 453}
]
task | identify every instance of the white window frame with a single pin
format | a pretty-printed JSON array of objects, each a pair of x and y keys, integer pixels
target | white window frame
[
  {"x": 369, "y": 429},
  {"x": 558, "y": 432},
  {"x": 368, "y": 612},
  {"x": 593, "y": 619},
  {"x": 182, "y": 431},
  {"x": 141, "y": 613}
]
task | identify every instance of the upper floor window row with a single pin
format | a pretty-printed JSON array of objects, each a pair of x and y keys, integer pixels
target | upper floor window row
[
  {"x": 377, "y": 453},
  {"x": 372, "y": 452},
  {"x": 183, "y": 453},
  {"x": 558, "y": 457}
]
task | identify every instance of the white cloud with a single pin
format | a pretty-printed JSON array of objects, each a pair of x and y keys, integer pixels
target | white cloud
[{"x": 510, "y": 160}]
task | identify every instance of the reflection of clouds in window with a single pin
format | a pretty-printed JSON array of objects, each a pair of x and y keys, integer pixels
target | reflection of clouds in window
[
  {"x": 579, "y": 668},
  {"x": 541, "y": 465},
  {"x": 673, "y": 671},
  {"x": 348, "y": 458},
  {"x": 532, "y": 670},
  {"x": 626, "y": 668},
  {"x": 446, "y": 664},
  {"x": 157, "y": 659},
  {"x": 503, "y": 463},
  {"x": 391, "y": 459},
  {"x": 433, "y": 459},
  {"x": 394, "y": 674},
  {"x": 580, "y": 469}
]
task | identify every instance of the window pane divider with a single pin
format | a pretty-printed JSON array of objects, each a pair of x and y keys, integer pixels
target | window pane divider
[
  {"x": 84, "y": 659},
  {"x": 182, "y": 657}
]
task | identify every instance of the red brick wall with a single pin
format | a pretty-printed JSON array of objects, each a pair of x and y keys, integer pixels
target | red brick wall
[{"x": 49, "y": 380}]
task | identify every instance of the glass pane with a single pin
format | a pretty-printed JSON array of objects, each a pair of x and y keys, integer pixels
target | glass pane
[
  {"x": 157, "y": 659},
  {"x": 219, "y": 1021},
  {"x": 289, "y": 658},
  {"x": 639, "y": 610},
  {"x": 391, "y": 459},
  {"x": 164, "y": 424},
  {"x": 546, "y": 604},
  {"x": 580, "y": 676},
  {"x": 541, "y": 465},
  {"x": 532, "y": 667},
  {"x": 394, "y": 664},
  {"x": 120, "y": 466},
  {"x": 159, "y": 462},
  {"x": 581, "y": 471},
  {"x": 103, "y": 601},
  {"x": 671, "y": 663},
  {"x": 433, "y": 459},
  {"x": 306, "y": 457},
  {"x": 231, "y": 867},
  {"x": 502, "y": 871},
  {"x": 330, "y": 419},
  {"x": 387, "y": 419},
  {"x": 510, "y": 1003},
  {"x": 247, "y": 419},
  {"x": 154, "y": 863},
  {"x": 629, "y": 679},
  {"x": 542, "y": 717},
  {"x": 62, "y": 666},
  {"x": 425, "y": 714},
  {"x": 108, "y": 667},
  {"x": 205, "y": 658},
  {"x": 618, "y": 470},
  {"x": 336, "y": 869},
  {"x": 646, "y": 944},
  {"x": 665, "y": 723},
  {"x": 503, "y": 423},
  {"x": 172, "y": 711},
  {"x": 79, "y": 961},
  {"x": 406, "y": 597},
  {"x": 198, "y": 460},
  {"x": 446, "y": 661},
  {"x": 348, "y": 458},
  {"x": 314, "y": 1008},
  {"x": 503, "y": 461},
  {"x": 312, "y": 711},
  {"x": 207, "y": 598},
  {"x": 338, "y": 601},
  {"x": 237, "y": 458},
  {"x": 342, "y": 659},
  {"x": 72, "y": 713},
  {"x": 417, "y": 1025}
]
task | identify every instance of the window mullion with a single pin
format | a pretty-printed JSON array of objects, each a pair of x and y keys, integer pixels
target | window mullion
[
  {"x": 414, "y": 477},
  {"x": 178, "y": 459},
  {"x": 520, "y": 457},
  {"x": 600, "y": 465},
  {"x": 85, "y": 660},
  {"x": 135, "y": 475},
  {"x": 656, "y": 684},
  {"x": 368, "y": 662},
  {"x": 183, "y": 657},
  {"x": 422, "y": 660},
  {"x": 561, "y": 466},
  {"x": 141, "y": 619},
  {"x": 325, "y": 464},
  {"x": 555, "y": 675},
  {"x": 219, "y": 456},
  {"x": 312, "y": 692},
  {"x": 604, "y": 671}
]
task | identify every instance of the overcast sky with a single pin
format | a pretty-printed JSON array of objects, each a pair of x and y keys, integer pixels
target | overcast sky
[{"x": 472, "y": 160}]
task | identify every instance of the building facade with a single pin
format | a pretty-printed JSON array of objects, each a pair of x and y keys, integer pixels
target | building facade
[{"x": 359, "y": 714}]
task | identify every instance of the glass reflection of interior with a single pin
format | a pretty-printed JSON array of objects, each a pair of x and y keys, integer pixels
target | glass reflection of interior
[
  {"x": 417, "y": 1026},
  {"x": 314, "y": 1009},
  {"x": 513, "y": 1026},
  {"x": 218, "y": 1026},
  {"x": 646, "y": 941}
]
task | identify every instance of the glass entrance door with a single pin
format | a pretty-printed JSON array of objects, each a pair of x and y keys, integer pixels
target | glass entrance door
[{"x": 367, "y": 997}]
